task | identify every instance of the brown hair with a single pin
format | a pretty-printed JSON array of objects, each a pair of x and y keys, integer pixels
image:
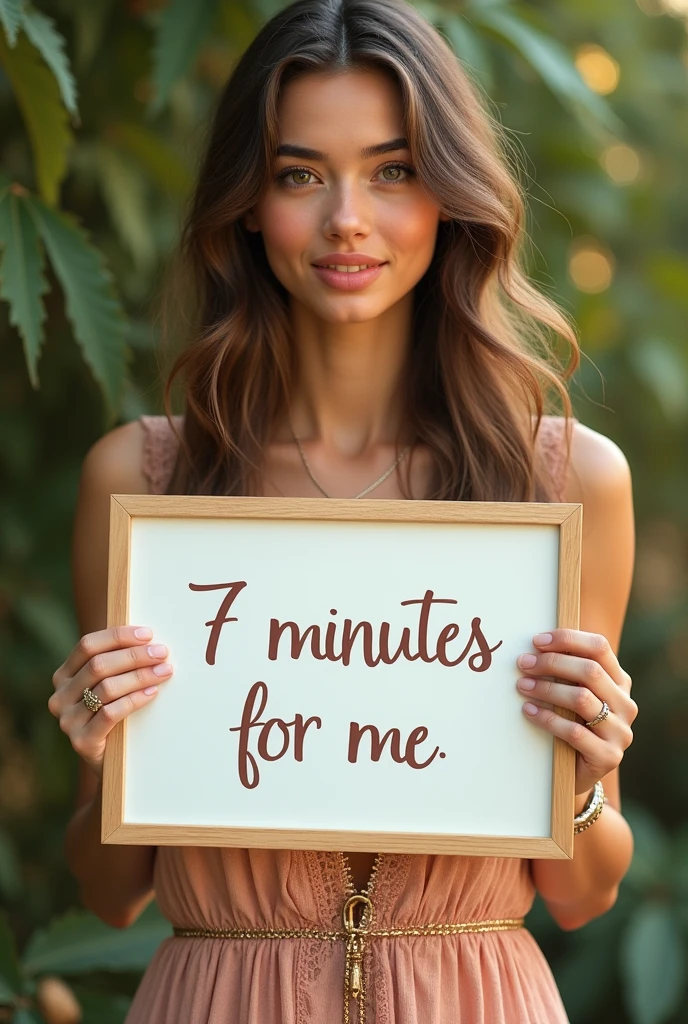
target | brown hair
[{"x": 482, "y": 363}]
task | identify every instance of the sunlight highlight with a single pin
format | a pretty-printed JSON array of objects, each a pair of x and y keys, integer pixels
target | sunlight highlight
[
  {"x": 597, "y": 68},
  {"x": 591, "y": 267}
]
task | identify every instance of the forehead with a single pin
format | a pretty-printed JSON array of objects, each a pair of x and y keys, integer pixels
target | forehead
[{"x": 335, "y": 112}]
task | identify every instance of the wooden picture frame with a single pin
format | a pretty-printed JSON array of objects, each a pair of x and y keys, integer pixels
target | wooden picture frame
[{"x": 142, "y": 529}]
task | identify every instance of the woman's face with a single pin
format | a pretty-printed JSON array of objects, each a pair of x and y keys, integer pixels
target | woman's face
[{"x": 336, "y": 199}]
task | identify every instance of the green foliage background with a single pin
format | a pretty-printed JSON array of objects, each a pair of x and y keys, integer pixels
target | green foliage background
[{"x": 103, "y": 107}]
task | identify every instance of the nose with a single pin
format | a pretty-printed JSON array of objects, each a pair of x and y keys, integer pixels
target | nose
[{"x": 348, "y": 214}]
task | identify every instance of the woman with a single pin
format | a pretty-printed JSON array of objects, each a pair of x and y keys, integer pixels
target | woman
[{"x": 362, "y": 327}]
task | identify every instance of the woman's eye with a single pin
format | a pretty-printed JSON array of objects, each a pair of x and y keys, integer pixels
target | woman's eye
[
  {"x": 396, "y": 171},
  {"x": 400, "y": 172},
  {"x": 299, "y": 176},
  {"x": 293, "y": 177}
]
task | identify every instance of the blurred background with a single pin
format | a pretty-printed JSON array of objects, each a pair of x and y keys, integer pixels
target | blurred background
[{"x": 103, "y": 107}]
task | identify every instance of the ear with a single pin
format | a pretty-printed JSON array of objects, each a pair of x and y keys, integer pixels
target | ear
[
  {"x": 445, "y": 217},
  {"x": 249, "y": 221}
]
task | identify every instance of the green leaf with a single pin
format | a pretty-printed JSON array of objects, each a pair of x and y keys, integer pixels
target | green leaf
[
  {"x": 10, "y": 871},
  {"x": 24, "y": 1016},
  {"x": 552, "y": 63},
  {"x": 92, "y": 306},
  {"x": 11, "y": 17},
  {"x": 182, "y": 28},
  {"x": 237, "y": 23},
  {"x": 651, "y": 848},
  {"x": 124, "y": 192},
  {"x": 161, "y": 162},
  {"x": 590, "y": 953},
  {"x": 10, "y": 976},
  {"x": 22, "y": 281},
  {"x": 42, "y": 32},
  {"x": 469, "y": 47},
  {"x": 79, "y": 942},
  {"x": 101, "y": 1007},
  {"x": 50, "y": 622},
  {"x": 653, "y": 964},
  {"x": 662, "y": 369},
  {"x": 46, "y": 120}
]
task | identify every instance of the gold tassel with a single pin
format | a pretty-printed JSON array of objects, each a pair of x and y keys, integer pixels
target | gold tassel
[{"x": 358, "y": 916}]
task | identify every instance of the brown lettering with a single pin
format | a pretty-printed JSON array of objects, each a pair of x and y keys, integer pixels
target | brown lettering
[
  {"x": 426, "y": 602},
  {"x": 447, "y": 634},
  {"x": 216, "y": 624},
  {"x": 298, "y": 640},
  {"x": 403, "y": 648},
  {"x": 376, "y": 744},
  {"x": 418, "y": 735},
  {"x": 249, "y": 773},
  {"x": 482, "y": 659},
  {"x": 348, "y": 637},
  {"x": 393, "y": 736},
  {"x": 248, "y": 769}
]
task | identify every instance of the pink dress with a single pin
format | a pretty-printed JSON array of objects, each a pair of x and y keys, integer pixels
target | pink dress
[{"x": 498, "y": 977}]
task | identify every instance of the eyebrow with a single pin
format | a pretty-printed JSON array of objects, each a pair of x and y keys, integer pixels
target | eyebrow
[{"x": 314, "y": 154}]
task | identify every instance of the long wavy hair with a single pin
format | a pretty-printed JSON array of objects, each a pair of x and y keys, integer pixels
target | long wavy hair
[{"x": 483, "y": 366}]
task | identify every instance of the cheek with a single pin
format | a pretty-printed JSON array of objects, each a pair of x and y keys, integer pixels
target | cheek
[
  {"x": 414, "y": 233},
  {"x": 287, "y": 228}
]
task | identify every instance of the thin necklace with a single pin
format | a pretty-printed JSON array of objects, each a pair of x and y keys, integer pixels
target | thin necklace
[{"x": 367, "y": 490}]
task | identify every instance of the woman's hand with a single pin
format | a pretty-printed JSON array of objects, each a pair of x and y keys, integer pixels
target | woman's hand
[
  {"x": 586, "y": 672},
  {"x": 123, "y": 669}
]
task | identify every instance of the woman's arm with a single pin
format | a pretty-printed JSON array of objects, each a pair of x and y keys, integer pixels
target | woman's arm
[
  {"x": 115, "y": 881},
  {"x": 577, "y": 891}
]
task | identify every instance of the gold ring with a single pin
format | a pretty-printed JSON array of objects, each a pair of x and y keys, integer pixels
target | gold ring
[
  {"x": 604, "y": 714},
  {"x": 91, "y": 700}
]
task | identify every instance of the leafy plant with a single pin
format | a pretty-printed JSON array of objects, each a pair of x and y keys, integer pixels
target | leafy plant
[
  {"x": 103, "y": 107},
  {"x": 75, "y": 945}
]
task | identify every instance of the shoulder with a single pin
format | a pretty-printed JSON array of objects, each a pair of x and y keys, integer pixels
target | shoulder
[
  {"x": 115, "y": 461},
  {"x": 135, "y": 458},
  {"x": 139, "y": 456},
  {"x": 598, "y": 470}
]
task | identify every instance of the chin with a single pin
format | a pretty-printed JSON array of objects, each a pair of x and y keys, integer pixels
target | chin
[{"x": 352, "y": 312}]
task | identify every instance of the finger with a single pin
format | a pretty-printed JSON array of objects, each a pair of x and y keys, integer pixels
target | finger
[
  {"x": 587, "y": 674},
  {"x": 88, "y": 741},
  {"x": 102, "y": 668},
  {"x": 600, "y": 754},
  {"x": 592, "y": 646},
  {"x": 98, "y": 642},
  {"x": 551, "y": 694},
  {"x": 114, "y": 688}
]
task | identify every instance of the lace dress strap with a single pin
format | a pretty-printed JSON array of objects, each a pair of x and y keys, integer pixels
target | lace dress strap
[
  {"x": 160, "y": 447},
  {"x": 160, "y": 450},
  {"x": 551, "y": 440}
]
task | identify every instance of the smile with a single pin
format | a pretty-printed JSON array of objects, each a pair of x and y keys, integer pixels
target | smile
[
  {"x": 347, "y": 278},
  {"x": 348, "y": 270}
]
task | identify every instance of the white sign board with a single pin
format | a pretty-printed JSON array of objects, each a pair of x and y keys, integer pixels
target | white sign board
[{"x": 344, "y": 674}]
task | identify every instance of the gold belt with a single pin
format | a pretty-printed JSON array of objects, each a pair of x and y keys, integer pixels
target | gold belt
[{"x": 357, "y": 917}]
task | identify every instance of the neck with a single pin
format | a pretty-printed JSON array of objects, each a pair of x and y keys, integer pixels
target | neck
[{"x": 348, "y": 390}]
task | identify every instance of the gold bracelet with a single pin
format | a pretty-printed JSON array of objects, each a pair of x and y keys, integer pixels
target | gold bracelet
[{"x": 591, "y": 812}]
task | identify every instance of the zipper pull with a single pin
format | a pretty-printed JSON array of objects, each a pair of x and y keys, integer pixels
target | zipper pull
[
  {"x": 356, "y": 926},
  {"x": 356, "y": 983}
]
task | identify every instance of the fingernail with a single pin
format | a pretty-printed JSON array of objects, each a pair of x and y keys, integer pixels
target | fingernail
[
  {"x": 530, "y": 709},
  {"x": 526, "y": 684},
  {"x": 143, "y": 633},
  {"x": 162, "y": 670},
  {"x": 150, "y": 690},
  {"x": 527, "y": 660},
  {"x": 157, "y": 651},
  {"x": 542, "y": 639}
]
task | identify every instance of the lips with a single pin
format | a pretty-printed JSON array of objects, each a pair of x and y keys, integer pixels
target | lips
[
  {"x": 348, "y": 259},
  {"x": 349, "y": 279}
]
